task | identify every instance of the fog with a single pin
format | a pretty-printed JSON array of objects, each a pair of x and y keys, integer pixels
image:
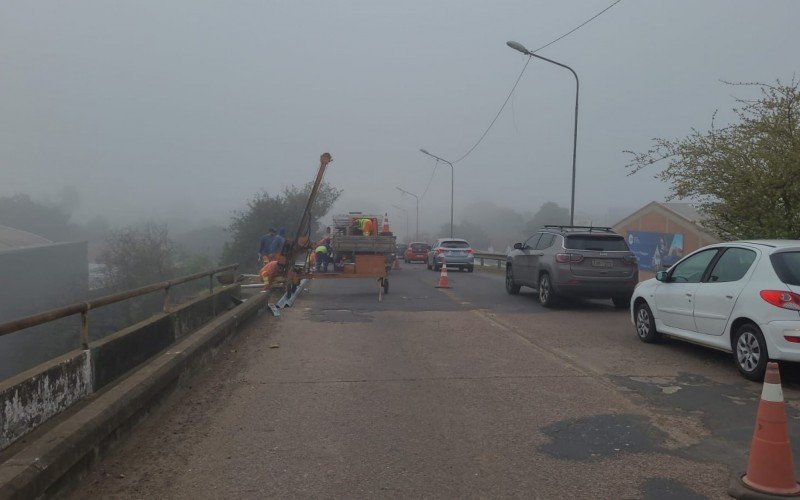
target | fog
[{"x": 182, "y": 110}]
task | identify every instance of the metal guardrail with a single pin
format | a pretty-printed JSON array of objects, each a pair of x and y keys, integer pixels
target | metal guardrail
[
  {"x": 83, "y": 308},
  {"x": 484, "y": 256}
]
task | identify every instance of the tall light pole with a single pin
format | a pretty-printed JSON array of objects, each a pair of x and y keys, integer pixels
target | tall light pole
[
  {"x": 406, "y": 214},
  {"x": 518, "y": 46},
  {"x": 417, "y": 198},
  {"x": 451, "y": 185}
]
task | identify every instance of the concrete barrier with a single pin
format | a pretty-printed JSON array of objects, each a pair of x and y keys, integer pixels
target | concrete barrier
[
  {"x": 71, "y": 443},
  {"x": 31, "y": 398}
]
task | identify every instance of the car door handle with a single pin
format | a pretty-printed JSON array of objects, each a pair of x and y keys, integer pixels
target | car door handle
[
  {"x": 688, "y": 294},
  {"x": 729, "y": 296},
  {"x": 540, "y": 254}
]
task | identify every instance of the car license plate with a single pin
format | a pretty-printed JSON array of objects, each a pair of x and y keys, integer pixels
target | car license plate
[{"x": 602, "y": 263}]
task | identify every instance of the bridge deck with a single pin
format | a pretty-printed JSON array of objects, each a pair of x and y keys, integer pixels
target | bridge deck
[{"x": 456, "y": 393}]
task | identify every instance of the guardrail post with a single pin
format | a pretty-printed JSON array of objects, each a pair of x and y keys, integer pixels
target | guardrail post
[
  {"x": 482, "y": 262},
  {"x": 499, "y": 262},
  {"x": 85, "y": 328},
  {"x": 166, "y": 299}
]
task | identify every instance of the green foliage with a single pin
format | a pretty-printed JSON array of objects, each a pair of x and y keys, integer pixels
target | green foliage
[
  {"x": 279, "y": 210},
  {"x": 745, "y": 177},
  {"x": 549, "y": 213},
  {"x": 501, "y": 225}
]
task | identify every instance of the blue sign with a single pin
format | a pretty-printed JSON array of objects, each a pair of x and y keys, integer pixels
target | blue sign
[{"x": 656, "y": 251}]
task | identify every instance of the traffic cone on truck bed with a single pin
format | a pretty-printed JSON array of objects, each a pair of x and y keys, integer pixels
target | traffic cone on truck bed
[
  {"x": 443, "y": 281},
  {"x": 770, "y": 471}
]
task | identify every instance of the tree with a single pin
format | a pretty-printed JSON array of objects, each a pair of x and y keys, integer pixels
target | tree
[
  {"x": 139, "y": 255},
  {"x": 475, "y": 234},
  {"x": 21, "y": 212},
  {"x": 276, "y": 211},
  {"x": 745, "y": 177},
  {"x": 549, "y": 213}
]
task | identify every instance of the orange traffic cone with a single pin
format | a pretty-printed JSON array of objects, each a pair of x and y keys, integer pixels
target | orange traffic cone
[
  {"x": 385, "y": 228},
  {"x": 396, "y": 263},
  {"x": 770, "y": 470},
  {"x": 443, "y": 281}
]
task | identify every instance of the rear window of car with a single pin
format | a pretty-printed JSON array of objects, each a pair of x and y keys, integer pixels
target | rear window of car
[
  {"x": 455, "y": 244},
  {"x": 787, "y": 267},
  {"x": 604, "y": 243},
  {"x": 420, "y": 247}
]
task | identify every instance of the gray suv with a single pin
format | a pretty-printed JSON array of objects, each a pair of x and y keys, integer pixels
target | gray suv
[{"x": 576, "y": 262}]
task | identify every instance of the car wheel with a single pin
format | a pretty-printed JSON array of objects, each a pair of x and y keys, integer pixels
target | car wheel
[
  {"x": 511, "y": 287},
  {"x": 546, "y": 296},
  {"x": 621, "y": 301},
  {"x": 428, "y": 265},
  {"x": 470, "y": 269},
  {"x": 750, "y": 352},
  {"x": 645, "y": 323},
  {"x": 437, "y": 267}
]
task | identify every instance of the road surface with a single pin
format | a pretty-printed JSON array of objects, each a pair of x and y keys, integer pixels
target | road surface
[{"x": 466, "y": 392}]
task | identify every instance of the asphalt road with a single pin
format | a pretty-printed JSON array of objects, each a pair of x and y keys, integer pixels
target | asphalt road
[{"x": 466, "y": 392}]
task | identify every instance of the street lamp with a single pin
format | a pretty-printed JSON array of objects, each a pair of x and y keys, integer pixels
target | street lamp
[
  {"x": 451, "y": 185},
  {"x": 518, "y": 46},
  {"x": 406, "y": 213},
  {"x": 417, "y": 198}
]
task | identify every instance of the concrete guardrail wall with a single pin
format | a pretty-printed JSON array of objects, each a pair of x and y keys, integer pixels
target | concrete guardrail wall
[{"x": 32, "y": 397}]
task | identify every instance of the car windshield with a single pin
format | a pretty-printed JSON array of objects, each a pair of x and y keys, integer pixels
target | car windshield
[
  {"x": 787, "y": 267},
  {"x": 455, "y": 244},
  {"x": 419, "y": 247},
  {"x": 605, "y": 243}
]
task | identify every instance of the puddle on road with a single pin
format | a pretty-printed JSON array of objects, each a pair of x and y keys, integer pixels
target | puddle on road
[{"x": 602, "y": 436}]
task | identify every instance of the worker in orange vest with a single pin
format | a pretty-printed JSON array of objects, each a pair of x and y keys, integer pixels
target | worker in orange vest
[{"x": 367, "y": 228}]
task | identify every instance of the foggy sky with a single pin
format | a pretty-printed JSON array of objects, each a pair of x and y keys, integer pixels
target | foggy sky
[{"x": 189, "y": 107}]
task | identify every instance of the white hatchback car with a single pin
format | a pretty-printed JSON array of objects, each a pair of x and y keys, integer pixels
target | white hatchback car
[{"x": 741, "y": 297}]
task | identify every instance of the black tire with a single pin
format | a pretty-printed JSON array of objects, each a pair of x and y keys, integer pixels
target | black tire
[
  {"x": 470, "y": 269},
  {"x": 385, "y": 286},
  {"x": 437, "y": 267},
  {"x": 461, "y": 269},
  {"x": 621, "y": 301},
  {"x": 547, "y": 298},
  {"x": 645, "y": 323},
  {"x": 511, "y": 287},
  {"x": 750, "y": 352},
  {"x": 428, "y": 265}
]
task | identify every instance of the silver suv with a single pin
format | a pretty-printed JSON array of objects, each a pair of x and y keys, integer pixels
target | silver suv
[{"x": 576, "y": 262}]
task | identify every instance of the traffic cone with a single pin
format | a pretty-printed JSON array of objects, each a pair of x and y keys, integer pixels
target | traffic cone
[
  {"x": 443, "y": 281},
  {"x": 385, "y": 228},
  {"x": 770, "y": 470},
  {"x": 396, "y": 263}
]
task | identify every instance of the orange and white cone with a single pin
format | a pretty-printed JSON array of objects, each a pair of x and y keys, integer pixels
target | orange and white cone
[
  {"x": 385, "y": 228},
  {"x": 770, "y": 470},
  {"x": 443, "y": 281},
  {"x": 396, "y": 262}
]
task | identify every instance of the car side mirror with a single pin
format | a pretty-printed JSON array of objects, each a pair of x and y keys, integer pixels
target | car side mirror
[
  {"x": 517, "y": 246},
  {"x": 662, "y": 276}
]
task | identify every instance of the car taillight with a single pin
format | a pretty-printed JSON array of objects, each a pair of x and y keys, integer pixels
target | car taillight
[
  {"x": 563, "y": 258},
  {"x": 778, "y": 298},
  {"x": 469, "y": 250},
  {"x": 440, "y": 250}
]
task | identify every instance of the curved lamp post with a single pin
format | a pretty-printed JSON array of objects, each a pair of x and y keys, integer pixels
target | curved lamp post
[
  {"x": 451, "y": 184},
  {"x": 405, "y": 212},
  {"x": 518, "y": 46},
  {"x": 417, "y": 198}
]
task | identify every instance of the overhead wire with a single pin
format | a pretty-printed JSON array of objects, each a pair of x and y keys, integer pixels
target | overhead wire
[{"x": 521, "y": 73}]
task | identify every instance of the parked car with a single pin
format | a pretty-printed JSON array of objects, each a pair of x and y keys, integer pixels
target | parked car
[
  {"x": 457, "y": 253},
  {"x": 417, "y": 252},
  {"x": 741, "y": 297},
  {"x": 573, "y": 262}
]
